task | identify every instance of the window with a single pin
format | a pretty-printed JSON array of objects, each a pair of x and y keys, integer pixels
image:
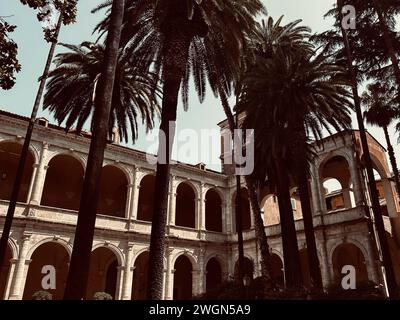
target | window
[{"x": 293, "y": 201}]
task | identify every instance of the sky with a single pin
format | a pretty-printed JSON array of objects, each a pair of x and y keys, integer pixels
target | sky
[{"x": 200, "y": 116}]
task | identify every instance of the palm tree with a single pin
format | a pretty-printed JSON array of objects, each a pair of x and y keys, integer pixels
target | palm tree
[
  {"x": 303, "y": 96},
  {"x": 80, "y": 259},
  {"x": 67, "y": 14},
  {"x": 177, "y": 38},
  {"x": 381, "y": 10},
  {"x": 265, "y": 40},
  {"x": 380, "y": 228},
  {"x": 71, "y": 90},
  {"x": 381, "y": 109}
]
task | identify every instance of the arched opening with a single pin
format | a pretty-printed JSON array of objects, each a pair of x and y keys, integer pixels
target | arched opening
[
  {"x": 139, "y": 282},
  {"x": 185, "y": 214},
  {"x": 102, "y": 273},
  {"x": 305, "y": 268},
  {"x": 9, "y": 158},
  {"x": 213, "y": 274},
  {"x": 146, "y": 198},
  {"x": 183, "y": 278},
  {"x": 245, "y": 209},
  {"x": 336, "y": 178},
  {"x": 68, "y": 170},
  {"x": 349, "y": 254},
  {"x": 277, "y": 269},
  {"x": 270, "y": 209},
  {"x": 47, "y": 254},
  {"x": 113, "y": 192},
  {"x": 5, "y": 272},
  {"x": 213, "y": 211},
  {"x": 248, "y": 269}
]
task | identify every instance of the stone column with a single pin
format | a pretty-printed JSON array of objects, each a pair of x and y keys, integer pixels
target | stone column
[
  {"x": 347, "y": 198},
  {"x": 315, "y": 190},
  {"x": 169, "y": 277},
  {"x": 133, "y": 196},
  {"x": 225, "y": 218},
  {"x": 128, "y": 274},
  {"x": 36, "y": 191},
  {"x": 201, "y": 209},
  {"x": 120, "y": 281},
  {"x": 21, "y": 270},
  {"x": 199, "y": 274},
  {"x": 172, "y": 202},
  {"x": 356, "y": 180},
  {"x": 10, "y": 277}
]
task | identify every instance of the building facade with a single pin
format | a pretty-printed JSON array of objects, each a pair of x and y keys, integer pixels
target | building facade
[{"x": 201, "y": 249}]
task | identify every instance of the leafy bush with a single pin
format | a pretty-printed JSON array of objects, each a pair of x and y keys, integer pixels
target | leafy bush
[
  {"x": 42, "y": 295},
  {"x": 102, "y": 296}
]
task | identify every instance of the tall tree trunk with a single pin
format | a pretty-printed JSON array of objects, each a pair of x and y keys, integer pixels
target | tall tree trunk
[
  {"x": 261, "y": 236},
  {"x": 25, "y": 149},
  {"x": 175, "y": 56},
  {"x": 291, "y": 256},
  {"x": 266, "y": 268},
  {"x": 376, "y": 208},
  {"x": 393, "y": 161},
  {"x": 80, "y": 260},
  {"x": 388, "y": 42},
  {"x": 302, "y": 169}
]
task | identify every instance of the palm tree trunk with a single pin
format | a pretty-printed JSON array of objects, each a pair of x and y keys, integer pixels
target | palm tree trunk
[
  {"x": 388, "y": 42},
  {"x": 80, "y": 259},
  {"x": 175, "y": 55},
  {"x": 261, "y": 236},
  {"x": 302, "y": 170},
  {"x": 266, "y": 268},
  {"x": 393, "y": 161},
  {"x": 376, "y": 208},
  {"x": 25, "y": 149},
  {"x": 293, "y": 276}
]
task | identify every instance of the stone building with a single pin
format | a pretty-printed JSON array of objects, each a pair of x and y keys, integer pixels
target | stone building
[{"x": 201, "y": 239}]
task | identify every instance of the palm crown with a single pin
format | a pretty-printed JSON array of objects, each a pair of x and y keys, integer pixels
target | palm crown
[
  {"x": 380, "y": 103},
  {"x": 72, "y": 86},
  {"x": 215, "y": 29}
]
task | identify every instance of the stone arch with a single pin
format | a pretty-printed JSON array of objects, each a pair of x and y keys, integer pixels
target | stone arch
[
  {"x": 57, "y": 240},
  {"x": 103, "y": 272},
  {"x": 49, "y": 253},
  {"x": 113, "y": 191},
  {"x": 146, "y": 197},
  {"x": 183, "y": 278},
  {"x": 185, "y": 211},
  {"x": 336, "y": 167},
  {"x": 186, "y": 253},
  {"x": 348, "y": 253},
  {"x": 68, "y": 168},
  {"x": 249, "y": 268},
  {"x": 9, "y": 159},
  {"x": 277, "y": 265},
  {"x": 213, "y": 210},
  {"x": 270, "y": 208},
  {"x": 140, "y": 273},
  {"x": 214, "y": 273},
  {"x": 246, "y": 212},
  {"x": 62, "y": 152},
  {"x": 115, "y": 249}
]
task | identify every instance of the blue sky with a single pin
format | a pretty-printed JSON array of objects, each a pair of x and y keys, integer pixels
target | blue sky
[{"x": 33, "y": 51}]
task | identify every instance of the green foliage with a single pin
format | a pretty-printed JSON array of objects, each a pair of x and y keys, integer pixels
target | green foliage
[
  {"x": 42, "y": 295},
  {"x": 71, "y": 89},
  {"x": 67, "y": 8},
  {"x": 8, "y": 56},
  {"x": 102, "y": 296}
]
